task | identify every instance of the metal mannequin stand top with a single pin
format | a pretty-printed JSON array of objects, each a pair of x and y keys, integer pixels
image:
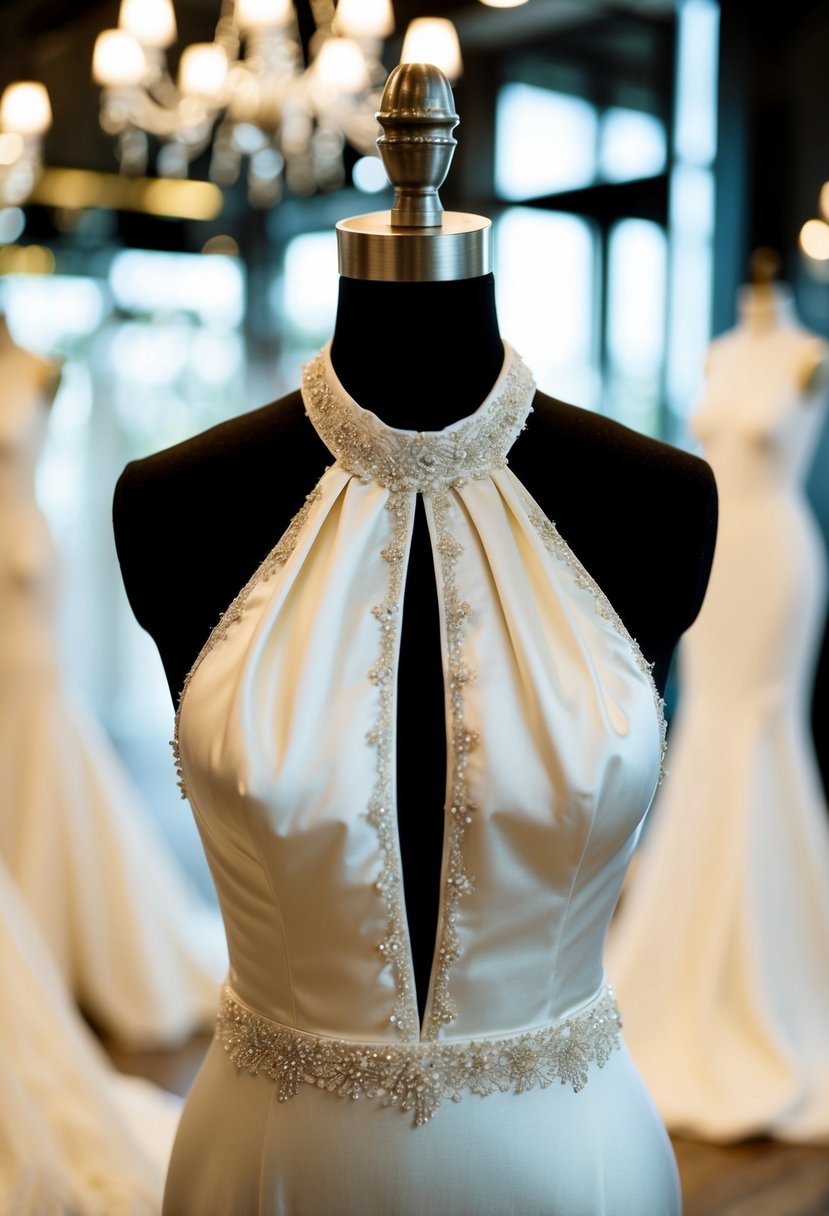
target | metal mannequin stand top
[{"x": 417, "y": 241}]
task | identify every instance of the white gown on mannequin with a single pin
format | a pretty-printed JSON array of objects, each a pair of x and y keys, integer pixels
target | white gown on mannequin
[
  {"x": 139, "y": 948},
  {"x": 720, "y": 949},
  {"x": 516, "y": 1095},
  {"x": 77, "y": 1138}
]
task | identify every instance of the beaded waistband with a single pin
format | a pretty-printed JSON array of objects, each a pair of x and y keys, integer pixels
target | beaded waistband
[{"x": 417, "y": 1077}]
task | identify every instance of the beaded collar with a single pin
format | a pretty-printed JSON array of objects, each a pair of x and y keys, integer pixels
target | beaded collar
[{"x": 419, "y": 461}]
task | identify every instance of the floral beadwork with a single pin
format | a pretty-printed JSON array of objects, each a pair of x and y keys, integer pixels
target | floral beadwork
[{"x": 418, "y": 1077}]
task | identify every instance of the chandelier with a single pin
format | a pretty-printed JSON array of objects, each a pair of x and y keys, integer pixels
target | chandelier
[
  {"x": 254, "y": 96},
  {"x": 25, "y": 117}
]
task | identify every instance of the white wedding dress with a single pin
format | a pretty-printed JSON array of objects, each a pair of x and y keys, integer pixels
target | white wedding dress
[
  {"x": 720, "y": 950},
  {"x": 138, "y": 947},
  {"x": 77, "y": 1138},
  {"x": 327, "y": 1096}
]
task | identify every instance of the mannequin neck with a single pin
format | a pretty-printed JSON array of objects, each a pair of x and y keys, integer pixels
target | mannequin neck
[
  {"x": 419, "y": 355},
  {"x": 766, "y": 306}
]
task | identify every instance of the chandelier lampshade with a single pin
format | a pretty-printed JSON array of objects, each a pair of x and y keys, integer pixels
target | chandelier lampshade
[{"x": 262, "y": 98}]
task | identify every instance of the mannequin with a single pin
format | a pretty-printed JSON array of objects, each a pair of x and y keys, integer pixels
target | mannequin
[
  {"x": 652, "y": 563},
  {"x": 460, "y": 957},
  {"x": 107, "y": 896},
  {"x": 730, "y": 1032}
]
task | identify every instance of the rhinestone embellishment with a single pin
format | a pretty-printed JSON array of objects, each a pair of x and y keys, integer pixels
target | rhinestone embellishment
[
  {"x": 417, "y": 1077},
  {"x": 462, "y": 809},
  {"x": 414, "y": 461},
  {"x": 381, "y": 812}
]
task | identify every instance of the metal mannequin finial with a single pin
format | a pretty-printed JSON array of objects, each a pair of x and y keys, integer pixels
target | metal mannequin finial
[
  {"x": 417, "y": 240},
  {"x": 416, "y": 147}
]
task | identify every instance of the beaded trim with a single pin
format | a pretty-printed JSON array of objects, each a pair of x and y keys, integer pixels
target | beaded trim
[
  {"x": 381, "y": 814},
  {"x": 458, "y": 882},
  {"x": 419, "y": 461},
  {"x": 558, "y": 547},
  {"x": 418, "y": 1077},
  {"x": 276, "y": 558}
]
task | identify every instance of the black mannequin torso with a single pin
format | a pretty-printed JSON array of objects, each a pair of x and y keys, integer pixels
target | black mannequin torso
[{"x": 192, "y": 523}]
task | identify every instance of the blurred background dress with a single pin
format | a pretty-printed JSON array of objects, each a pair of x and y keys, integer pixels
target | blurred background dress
[
  {"x": 719, "y": 948},
  {"x": 138, "y": 947}
]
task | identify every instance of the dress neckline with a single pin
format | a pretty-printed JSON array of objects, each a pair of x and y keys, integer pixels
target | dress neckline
[{"x": 418, "y": 461}]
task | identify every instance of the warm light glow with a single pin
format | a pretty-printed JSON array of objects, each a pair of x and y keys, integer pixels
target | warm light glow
[
  {"x": 26, "y": 259},
  {"x": 202, "y": 70},
  {"x": 118, "y": 60},
  {"x": 262, "y": 14},
  {"x": 222, "y": 244},
  {"x": 503, "y": 3},
  {"x": 24, "y": 108},
  {"x": 182, "y": 198},
  {"x": 174, "y": 197},
  {"x": 824, "y": 200},
  {"x": 814, "y": 240},
  {"x": 286, "y": 104},
  {"x": 340, "y": 64},
  {"x": 11, "y": 147},
  {"x": 433, "y": 40},
  {"x": 364, "y": 18},
  {"x": 152, "y": 22}
]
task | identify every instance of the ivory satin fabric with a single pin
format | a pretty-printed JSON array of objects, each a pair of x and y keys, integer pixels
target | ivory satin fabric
[
  {"x": 286, "y": 735},
  {"x": 731, "y": 1028}
]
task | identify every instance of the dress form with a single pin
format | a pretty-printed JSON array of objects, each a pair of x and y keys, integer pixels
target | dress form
[
  {"x": 398, "y": 308},
  {"x": 81, "y": 849},
  {"x": 729, "y": 1031},
  {"x": 294, "y": 711}
]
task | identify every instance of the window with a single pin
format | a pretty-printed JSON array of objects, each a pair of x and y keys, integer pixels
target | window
[
  {"x": 545, "y": 142},
  {"x": 545, "y": 267}
]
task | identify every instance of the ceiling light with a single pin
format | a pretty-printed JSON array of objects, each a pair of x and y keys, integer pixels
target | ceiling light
[{"x": 433, "y": 40}]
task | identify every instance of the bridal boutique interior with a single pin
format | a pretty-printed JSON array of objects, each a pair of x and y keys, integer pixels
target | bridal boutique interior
[{"x": 655, "y": 173}]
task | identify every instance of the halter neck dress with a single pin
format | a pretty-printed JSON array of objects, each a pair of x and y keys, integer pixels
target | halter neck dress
[{"x": 324, "y": 1092}]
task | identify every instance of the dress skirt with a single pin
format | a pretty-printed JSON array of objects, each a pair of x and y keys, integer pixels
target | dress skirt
[{"x": 549, "y": 1152}]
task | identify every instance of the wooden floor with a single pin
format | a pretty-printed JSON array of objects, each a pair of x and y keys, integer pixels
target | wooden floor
[{"x": 757, "y": 1178}]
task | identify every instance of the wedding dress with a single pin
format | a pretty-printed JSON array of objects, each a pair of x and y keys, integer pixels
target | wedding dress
[
  {"x": 327, "y": 1095},
  {"x": 139, "y": 948},
  {"x": 720, "y": 950},
  {"x": 77, "y": 1138}
]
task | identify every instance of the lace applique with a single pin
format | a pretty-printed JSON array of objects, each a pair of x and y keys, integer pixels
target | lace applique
[
  {"x": 420, "y": 461},
  {"x": 556, "y": 545},
  {"x": 277, "y": 557},
  {"x": 418, "y": 1077}
]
